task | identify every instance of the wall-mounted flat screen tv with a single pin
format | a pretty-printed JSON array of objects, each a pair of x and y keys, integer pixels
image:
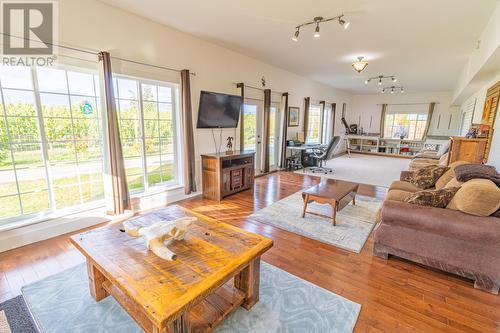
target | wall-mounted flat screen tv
[{"x": 218, "y": 110}]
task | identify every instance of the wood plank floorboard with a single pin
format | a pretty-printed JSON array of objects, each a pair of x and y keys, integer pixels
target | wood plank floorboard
[{"x": 396, "y": 295}]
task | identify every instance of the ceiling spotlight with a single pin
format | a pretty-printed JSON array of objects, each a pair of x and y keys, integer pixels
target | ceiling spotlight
[
  {"x": 383, "y": 91},
  {"x": 344, "y": 23},
  {"x": 392, "y": 90},
  {"x": 402, "y": 90},
  {"x": 317, "y": 20},
  {"x": 394, "y": 79},
  {"x": 316, "y": 31},
  {"x": 359, "y": 65},
  {"x": 379, "y": 82},
  {"x": 367, "y": 81}
]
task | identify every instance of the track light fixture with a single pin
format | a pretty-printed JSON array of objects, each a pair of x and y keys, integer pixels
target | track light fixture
[
  {"x": 393, "y": 89},
  {"x": 380, "y": 78},
  {"x": 317, "y": 20}
]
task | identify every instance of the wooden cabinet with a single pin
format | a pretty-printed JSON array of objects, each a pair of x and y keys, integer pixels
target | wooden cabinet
[
  {"x": 225, "y": 174},
  {"x": 464, "y": 149}
]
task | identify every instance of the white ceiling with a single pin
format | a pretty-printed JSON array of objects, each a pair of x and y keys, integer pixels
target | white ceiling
[{"x": 425, "y": 43}]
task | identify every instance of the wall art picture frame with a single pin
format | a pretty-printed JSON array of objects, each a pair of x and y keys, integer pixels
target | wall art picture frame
[{"x": 293, "y": 116}]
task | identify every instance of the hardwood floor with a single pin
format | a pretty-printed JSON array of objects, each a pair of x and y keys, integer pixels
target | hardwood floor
[{"x": 396, "y": 295}]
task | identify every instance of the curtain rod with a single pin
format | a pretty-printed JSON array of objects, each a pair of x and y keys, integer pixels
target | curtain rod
[
  {"x": 96, "y": 53},
  {"x": 257, "y": 88},
  {"x": 408, "y": 103}
]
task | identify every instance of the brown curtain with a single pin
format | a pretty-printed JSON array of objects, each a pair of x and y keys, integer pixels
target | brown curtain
[
  {"x": 284, "y": 102},
  {"x": 187, "y": 134},
  {"x": 429, "y": 118},
  {"x": 334, "y": 113},
  {"x": 266, "y": 132},
  {"x": 322, "y": 117},
  {"x": 307, "y": 102},
  {"x": 382, "y": 119},
  {"x": 241, "y": 87},
  {"x": 121, "y": 197}
]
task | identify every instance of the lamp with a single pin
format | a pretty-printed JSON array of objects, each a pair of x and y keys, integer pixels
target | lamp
[
  {"x": 392, "y": 89},
  {"x": 359, "y": 65},
  {"x": 316, "y": 31},
  {"x": 317, "y": 20},
  {"x": 379, "y": 79}
]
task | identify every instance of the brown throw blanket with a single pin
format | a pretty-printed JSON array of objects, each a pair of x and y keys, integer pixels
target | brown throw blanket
[{"x": 467, "y": 172}]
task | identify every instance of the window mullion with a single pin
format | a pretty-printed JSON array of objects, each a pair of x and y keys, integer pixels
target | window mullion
[
  {"x": 9, "y": 142},
  {"x": 176, "y": 140},
  {"x": 74, "y": 140},
  {"x": 41, "y": 126},
  {"x": 143, "y": 137}
]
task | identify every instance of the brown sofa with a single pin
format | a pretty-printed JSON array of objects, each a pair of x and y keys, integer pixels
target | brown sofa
[{"x": 442, "y": 238}]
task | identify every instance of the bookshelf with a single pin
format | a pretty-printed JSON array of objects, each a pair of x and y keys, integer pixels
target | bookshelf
[{"x": 382, "y": 146}]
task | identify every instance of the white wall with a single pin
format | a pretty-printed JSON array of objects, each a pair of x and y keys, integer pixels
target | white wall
[
  {"x": 366, "y": 110},
  {"x": 217, "y": 69},
  {"x": 480, "y": 97}
]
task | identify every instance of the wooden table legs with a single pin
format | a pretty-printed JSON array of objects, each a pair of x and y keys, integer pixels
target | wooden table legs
[
  {"x": 248, "y": 281},
  {"x": 96, "y": 281},
  {"x": 332, "y": 202}
]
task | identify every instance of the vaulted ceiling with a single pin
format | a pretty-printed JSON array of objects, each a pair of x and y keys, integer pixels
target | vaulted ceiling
[{"x": 424, "y": 43}]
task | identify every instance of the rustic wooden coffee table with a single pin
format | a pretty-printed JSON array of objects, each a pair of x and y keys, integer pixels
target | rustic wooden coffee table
[
  {"x": 217, "y": 269},
  {"x": 337, "y": 193}
]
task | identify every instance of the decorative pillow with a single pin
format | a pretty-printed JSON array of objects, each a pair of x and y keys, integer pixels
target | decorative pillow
[
  {"x": 398, "y": 195},
  {"x": 433, "y": 198},
  {"x": 445, "y": 147},
  {"x": 453, "y": 183},
  {"x": 480, "y": 197},
  {"x": 448, "y": 175},
  {"x": 443, "y": 161},
  {"x": 427, "y": 176}
]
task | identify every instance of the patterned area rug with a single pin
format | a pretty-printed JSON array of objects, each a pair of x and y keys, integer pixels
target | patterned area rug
[
  {"x": 15, "y": 317},
  {"x": 62, "y": 303},
  {"x": 354, "y": 222}
]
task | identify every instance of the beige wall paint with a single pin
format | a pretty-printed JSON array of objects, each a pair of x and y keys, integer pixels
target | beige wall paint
[
  {"x": 217, "y": 69},
  {"x": 367, "y": 109}
]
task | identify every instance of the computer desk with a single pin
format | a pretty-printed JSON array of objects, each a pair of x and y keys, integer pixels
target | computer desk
[{"x": 299, "y": 150}]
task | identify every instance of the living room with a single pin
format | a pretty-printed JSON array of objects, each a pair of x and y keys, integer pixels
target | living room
[{"x": 250, "y": 167}]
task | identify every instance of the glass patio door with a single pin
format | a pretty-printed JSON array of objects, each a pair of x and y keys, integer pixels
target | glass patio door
[
  {"x": 252, "y": 131},
  {"x": 274, "y": 136}
]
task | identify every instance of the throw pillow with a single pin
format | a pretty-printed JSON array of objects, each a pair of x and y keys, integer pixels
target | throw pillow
[
  {"x": 426, "y": 177},
  {"x": 433, "y": 198},
  {"x": 445, "y": 147},
  {"x": 473, "y": 171},
  {"x": 453, "y": 183},
  {"x": 480, "y": 197},
  {"x": 448, "y": 175},
  {"x": 444, "y": 160},
  {"x": 398, "y": 195}
]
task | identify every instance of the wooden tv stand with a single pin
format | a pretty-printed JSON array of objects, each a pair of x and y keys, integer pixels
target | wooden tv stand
[{"x": 225, "y": 174}]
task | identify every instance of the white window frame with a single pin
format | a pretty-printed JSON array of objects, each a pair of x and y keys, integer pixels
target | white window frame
[
  {"x": 43, "y": 142},
  {"x": 177, "y": 180}
]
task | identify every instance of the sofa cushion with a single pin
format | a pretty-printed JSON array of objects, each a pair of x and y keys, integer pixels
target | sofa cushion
[
  {"x": 448, "y": 175},
  {"x": 433, "y": 198},
  {"x": 443, "y": 161},
  {"x": 480, "y": 197},
  {"x": 398, "y": 195},
  {"x": 403, "y": 186},
  {"x": 419, "y": 163},
  {"x": 427, "y": 176},
  {"x": 453, "y": 183}
]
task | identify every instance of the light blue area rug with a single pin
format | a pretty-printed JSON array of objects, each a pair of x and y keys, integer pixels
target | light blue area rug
[
  {"x": 354, "y": 222},
  {"x": 62, "y": 304}
]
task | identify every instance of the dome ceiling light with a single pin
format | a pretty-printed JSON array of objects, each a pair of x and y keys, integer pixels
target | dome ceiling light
[
  {"x": 360, "y": 64},
  {"x": 317, "y": 20}
]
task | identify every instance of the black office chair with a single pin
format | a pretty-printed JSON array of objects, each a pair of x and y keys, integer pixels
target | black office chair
[{"x": 322, "y": 155}]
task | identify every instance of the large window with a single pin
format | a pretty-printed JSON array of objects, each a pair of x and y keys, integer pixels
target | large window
[
  {"x": 50, "y": 140},
  {"x": 409, "y": 126},
  {"x": 314, "y": 124},
  {"x": 327, "y": 125},
  {"x": 147, "y": 129}
]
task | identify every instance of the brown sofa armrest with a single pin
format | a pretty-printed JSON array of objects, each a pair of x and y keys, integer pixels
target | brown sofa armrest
[
  {"x": 442, "y": 221},
  {"x": 405, "y": 175}
]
